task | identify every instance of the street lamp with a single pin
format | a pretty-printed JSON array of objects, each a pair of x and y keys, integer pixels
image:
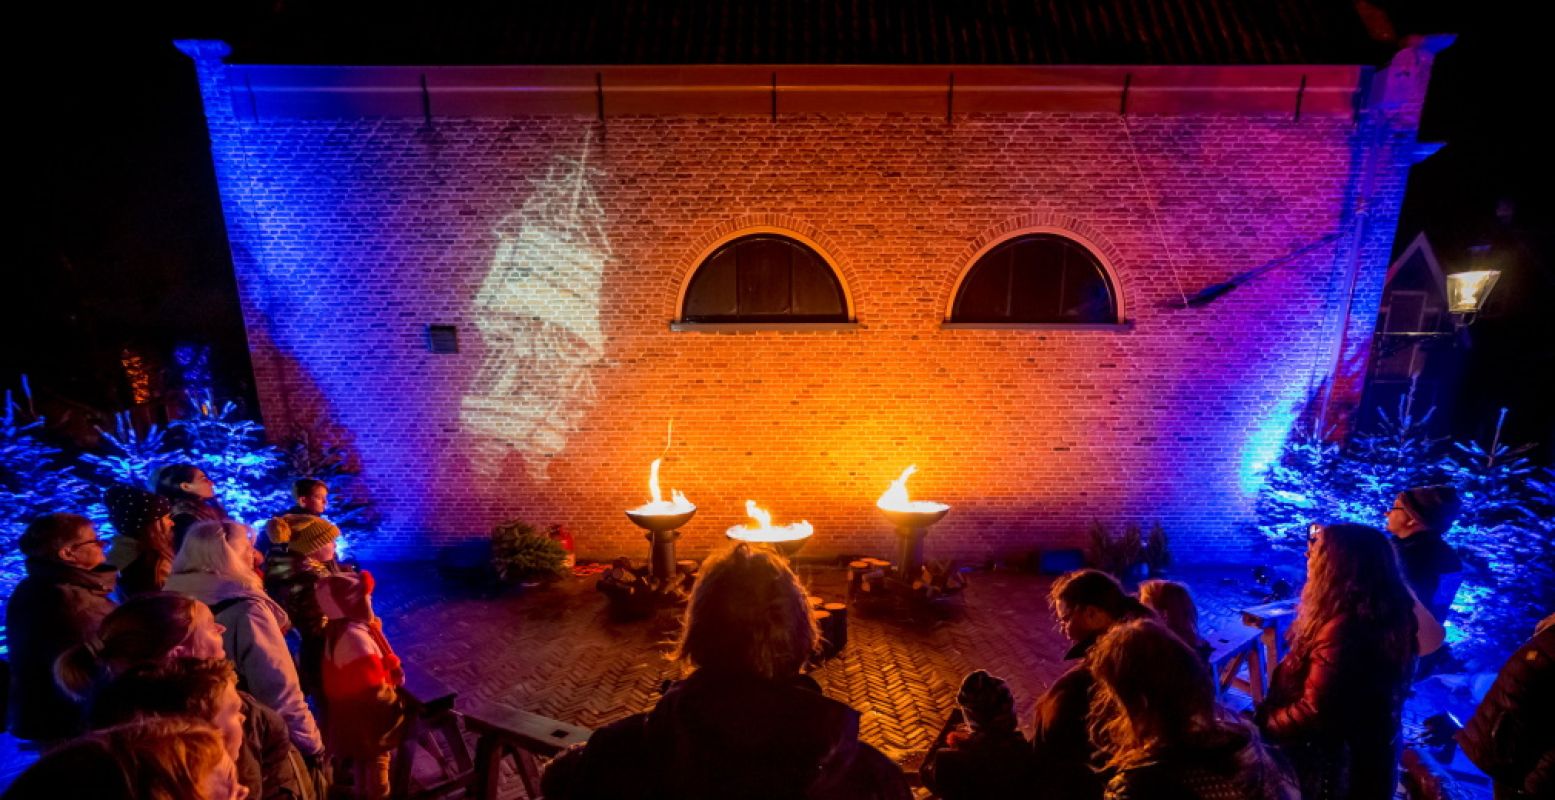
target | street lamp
[{"x": 1467, "y": 291}]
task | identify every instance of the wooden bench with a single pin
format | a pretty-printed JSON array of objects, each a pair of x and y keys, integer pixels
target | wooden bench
[
  {"x": 430, "y": 704},
  {"x": 1273, "y": 620},
  {"x": 521, "y": 735},
  {"x": 1243, "y": 656},
  {"x": 1237, "y": 661}
]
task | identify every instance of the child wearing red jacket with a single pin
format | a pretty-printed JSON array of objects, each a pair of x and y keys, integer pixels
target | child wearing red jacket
[{"x": 364, "y": 717}]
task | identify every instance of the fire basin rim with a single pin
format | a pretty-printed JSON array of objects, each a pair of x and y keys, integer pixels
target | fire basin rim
[
  {"x": 785, "y": 547},
  {"x": 914, "y": 519},
  {"x": 660, "y": 523}
]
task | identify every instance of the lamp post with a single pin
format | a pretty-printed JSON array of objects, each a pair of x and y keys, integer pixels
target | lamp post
[{"x": 1466, "y": 295}]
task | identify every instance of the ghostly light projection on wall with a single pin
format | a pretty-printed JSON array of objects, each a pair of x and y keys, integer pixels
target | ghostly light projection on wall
[{"x": 537, "y": 316}]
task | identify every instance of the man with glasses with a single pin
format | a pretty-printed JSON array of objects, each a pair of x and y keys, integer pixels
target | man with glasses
[
  {"x": 57, "y": 606},
  {"x": 1418, "y": 520}
]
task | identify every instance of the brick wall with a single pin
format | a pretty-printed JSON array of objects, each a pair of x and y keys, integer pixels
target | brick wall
[{"x": 559, "y": 248}]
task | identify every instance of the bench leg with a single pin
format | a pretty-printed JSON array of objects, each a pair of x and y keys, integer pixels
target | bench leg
[
  {"x": 1255, "y": 674},
  {"x": 453, "y": 740},
  {"x": 528, "y": 771},
  {"x": 487, "y": 777},
  {"x": 399, "y": 773}
]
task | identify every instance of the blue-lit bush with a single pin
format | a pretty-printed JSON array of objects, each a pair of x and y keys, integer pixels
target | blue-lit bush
[
  {"x": 1505, "y": 533},
  {"x": 253, "y": 478},
  {"x": 35, "y": 478}
]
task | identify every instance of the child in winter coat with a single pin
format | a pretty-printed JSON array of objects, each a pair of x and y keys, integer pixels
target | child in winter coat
[
  {"x": 302, "y": 552},
  {"x": 364, "y": 716},
  {"x": 986, "y": 757}
]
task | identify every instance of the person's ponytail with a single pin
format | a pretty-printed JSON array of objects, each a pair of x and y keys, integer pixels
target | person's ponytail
[
  {"x": 79, "y": 668},
  {"x": 142, "y": 630}
]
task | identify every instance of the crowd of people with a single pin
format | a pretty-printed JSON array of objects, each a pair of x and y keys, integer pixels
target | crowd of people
[
  {"x": 190, "y": 657},
  {"x": 1137, "y": 716},
  {"x": 198, "y": 659}
]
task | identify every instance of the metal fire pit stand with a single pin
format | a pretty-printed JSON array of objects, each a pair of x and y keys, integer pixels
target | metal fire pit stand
[
  {"x": 635, "y": 591},
  {"x": 904, "y": 582}
]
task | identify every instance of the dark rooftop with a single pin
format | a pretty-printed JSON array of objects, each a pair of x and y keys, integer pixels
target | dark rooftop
[{"x": 969, "y": 32}]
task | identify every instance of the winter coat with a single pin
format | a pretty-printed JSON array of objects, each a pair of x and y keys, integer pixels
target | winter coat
[
  {"x": 54, "y": 608},
  {"x": 1060, "y": 736},
  {"x": 290, "y": 579},
  {"x": 1335, "y": 708},
  {"x": 363, "y": 713},
  {"x": 1512, "y": 733},
  {"x": 1432, "y": 568},
  {"x": 142, "y": 568},
  {"x": 188, "y": 511},
  {"x": 255, "y": 640},
  {"x": 727, "y": 735},
  {"x": 983, "y": 765},
  {"x": 269, "y": 766},
  {"x": 1229, "y": 765}
]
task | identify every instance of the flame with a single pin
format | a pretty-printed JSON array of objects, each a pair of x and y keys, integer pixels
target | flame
[
  {"x": 896, "y": 498},
  {"x": 678, "y": 504},
  {"x": 765, "y": 531},
  {"x": 761, "y": 515}
]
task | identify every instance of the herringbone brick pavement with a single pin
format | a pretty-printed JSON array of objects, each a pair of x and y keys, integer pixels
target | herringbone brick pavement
[{"x": 552, "y": 650}]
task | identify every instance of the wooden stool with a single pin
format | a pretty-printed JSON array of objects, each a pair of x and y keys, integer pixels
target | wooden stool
[
  {"x": 430, "y": 705},
  {"x": 521, "y": 735},
  {"x": 836, "y": 631}
]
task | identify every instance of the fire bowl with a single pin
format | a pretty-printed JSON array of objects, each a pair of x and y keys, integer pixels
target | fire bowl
[
  {"x": 786, "y": 548},
  {"x": 660, "y": 523},
  {"x": 916, "y": 518}
]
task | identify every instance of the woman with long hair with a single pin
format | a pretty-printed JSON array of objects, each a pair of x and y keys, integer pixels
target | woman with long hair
[
  {"x": 1161, "y": 732},
  {"x": 746, "y": 722},
  {"x": 142, "y": 546},
  {"x": 193, "y": 495},
  {"x": 1335, "y": 700},
  {"x": 151, "y": 631},
  {"x": 213, "y": 566},
  {"x": 1173, "y": 603}
]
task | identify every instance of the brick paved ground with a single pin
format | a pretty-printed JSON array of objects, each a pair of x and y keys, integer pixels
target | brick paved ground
[{"x": 553, "y": 651}]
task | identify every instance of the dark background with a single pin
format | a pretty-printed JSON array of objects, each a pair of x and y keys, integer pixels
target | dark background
[{"x": 123, "y": 245}]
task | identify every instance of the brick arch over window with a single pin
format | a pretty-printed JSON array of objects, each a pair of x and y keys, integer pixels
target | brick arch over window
[
  {"x": 805, "y": 258},
  {"x": 1032, "y": 271}
]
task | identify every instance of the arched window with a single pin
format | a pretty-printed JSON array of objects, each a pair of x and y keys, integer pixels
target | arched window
[
  {"x": 764, "y": 277},
  {"x": 1037, "y": 278}
]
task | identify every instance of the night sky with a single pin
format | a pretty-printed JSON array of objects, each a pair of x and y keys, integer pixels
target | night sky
[{"x": 123, "y": 242}]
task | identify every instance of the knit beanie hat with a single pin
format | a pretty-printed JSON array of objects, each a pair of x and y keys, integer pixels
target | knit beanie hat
[
  {"x": 131, "y": 509},
  {"x": 987, "y": 702},
  {"x": 301, "y": 533},
  {"x": 1435, "y": 506}
]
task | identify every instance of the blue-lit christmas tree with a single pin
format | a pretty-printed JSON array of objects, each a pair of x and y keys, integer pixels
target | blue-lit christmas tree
[
  {"x": 1505, "y": 533},
  {"x": 35, "y": 478}
]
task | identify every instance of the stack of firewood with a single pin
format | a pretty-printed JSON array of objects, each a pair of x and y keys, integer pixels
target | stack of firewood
[
  {"x": 937, "y": 579},
  {"x": 634, "y": 591}
]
